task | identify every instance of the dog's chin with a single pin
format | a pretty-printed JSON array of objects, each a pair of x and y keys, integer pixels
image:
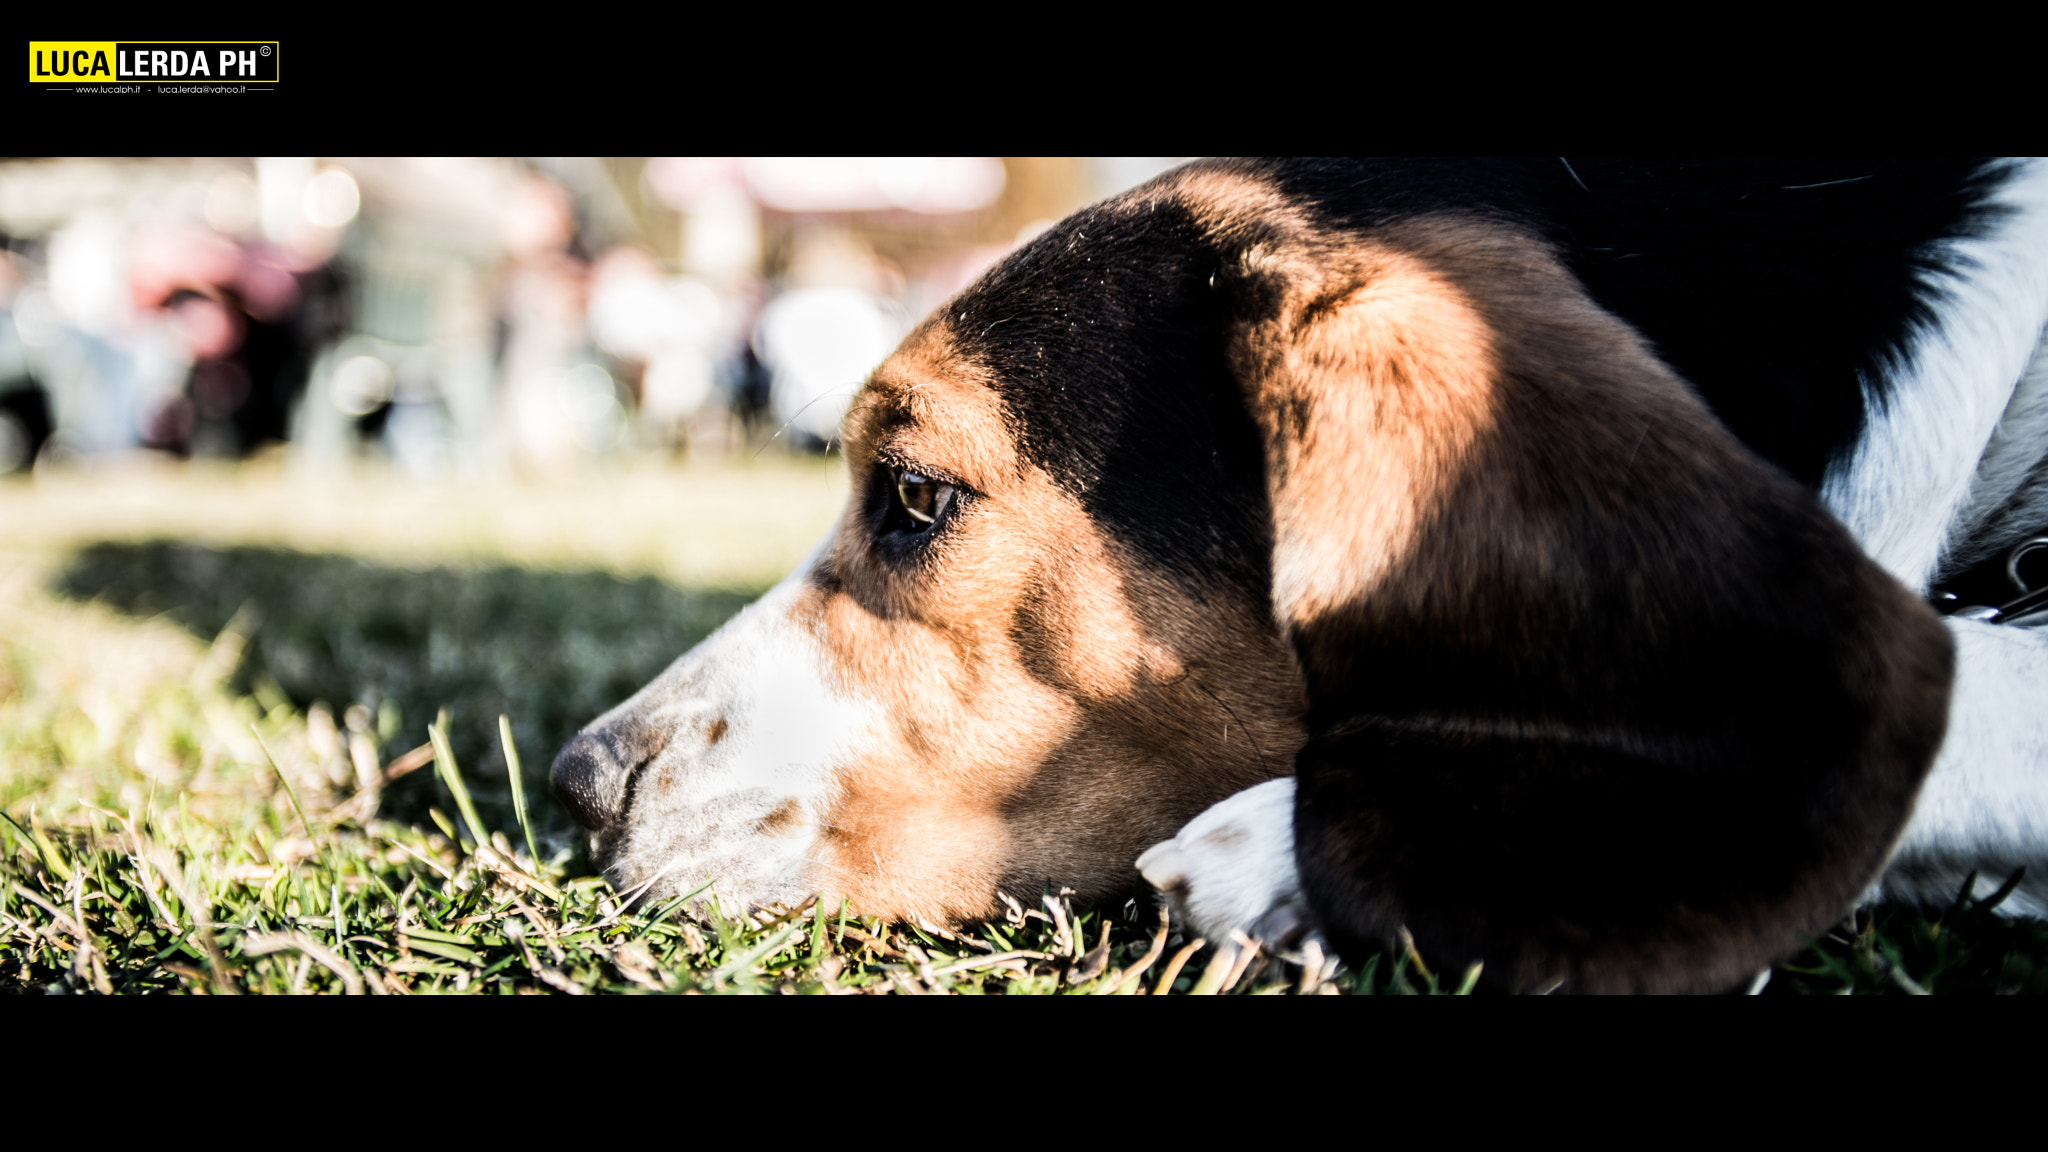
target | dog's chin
[
  {"x": 735, "y": 885},
  {"x": 736, "y": 869}
]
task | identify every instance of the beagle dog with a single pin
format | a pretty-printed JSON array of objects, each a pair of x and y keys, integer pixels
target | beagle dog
[{"x": 1529, "y": 555}]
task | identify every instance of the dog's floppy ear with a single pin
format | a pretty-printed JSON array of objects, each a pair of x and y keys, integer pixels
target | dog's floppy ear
[{"x": 1598, "y": 697}]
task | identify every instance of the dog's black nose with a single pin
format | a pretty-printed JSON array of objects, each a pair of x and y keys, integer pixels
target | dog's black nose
[{"x": 593, "y": 772}]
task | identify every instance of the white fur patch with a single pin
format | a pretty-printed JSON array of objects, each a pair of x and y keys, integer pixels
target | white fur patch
[
  {"x": 1909, "y": 485},
  {"x": 1233, "y": 866},
  {"x": 1984, "y": 807},
  {"x": 2009, "y": 497}
]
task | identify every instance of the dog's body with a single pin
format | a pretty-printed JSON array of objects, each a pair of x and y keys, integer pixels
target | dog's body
[{"x": 1483, "y": 500}]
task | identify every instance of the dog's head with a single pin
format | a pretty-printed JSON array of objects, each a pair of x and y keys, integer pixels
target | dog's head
[{"x": 1211, "y": 482}]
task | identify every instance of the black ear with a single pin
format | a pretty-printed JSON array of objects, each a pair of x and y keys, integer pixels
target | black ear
[{"x": 1597, "y": 697}]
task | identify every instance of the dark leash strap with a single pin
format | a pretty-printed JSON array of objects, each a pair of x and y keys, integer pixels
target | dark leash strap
[{"x": 1962, "y": 596}]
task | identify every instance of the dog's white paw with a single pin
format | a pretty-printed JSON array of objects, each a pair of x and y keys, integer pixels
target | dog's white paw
[{"x": 1233, "y": 867}]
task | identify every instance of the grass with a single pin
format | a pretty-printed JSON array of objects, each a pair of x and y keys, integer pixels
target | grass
[
  {"x": 550, "y": 649},
  {"x": 263, "y": 737}
]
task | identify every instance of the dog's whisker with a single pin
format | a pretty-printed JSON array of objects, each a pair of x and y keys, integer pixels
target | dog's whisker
[
  {"x": 849, "y": 874},
  {"x": 798, "y": 414}
]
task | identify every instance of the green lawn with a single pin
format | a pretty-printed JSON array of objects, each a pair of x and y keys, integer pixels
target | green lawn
[{"x": 216, "y": 690}]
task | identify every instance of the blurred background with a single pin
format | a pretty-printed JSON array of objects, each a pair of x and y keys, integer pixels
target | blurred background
[
  {"x": 475, "y": 318},
  {"x": 377, "y": 437}
]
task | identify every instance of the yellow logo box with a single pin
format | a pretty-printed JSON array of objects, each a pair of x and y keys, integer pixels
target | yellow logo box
[{"x": 152, "y": 61}]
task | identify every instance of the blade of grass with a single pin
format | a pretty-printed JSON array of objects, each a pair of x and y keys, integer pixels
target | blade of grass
[
  {"x": 1174, "y": 965},
  {"x": 429, "y": 861},
  {"x": 85, "y": 966},
  {"x": 1471, "y": 979},
  {"x": 431, "y": 934},
  {"x": 263, "y": 944},
  {"x": 1247, "y": 949},
  {"x": 52, "y": 859},
  {"x": 1128, "y": 982},
  {"x": 419, "y": 943},
  {"x": 290, "y": 792},
  {"x": 2006, "y": 889},
  {"x": 36, "y": 842},
  {"x": 444, "y": 762},
  {"x": 997, "y": 960},
  {"x": 1413, "y": 957},
  {"x": 506, "y": 867},
  {"x": 746, "y": 960},
  {"x": 1219, "y": 967},
  {"x": 200, "y": 913},
  {"x": 518, "y": 787},
  {"x": 669, "y": 908},
  {"x": 58, "y": 916},
  {"x": 442, "y": 822}
]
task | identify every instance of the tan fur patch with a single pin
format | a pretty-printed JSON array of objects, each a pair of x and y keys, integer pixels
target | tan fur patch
[
  {"x": 1230, "y": 204},
  {"x": 1373, "y": 401}
]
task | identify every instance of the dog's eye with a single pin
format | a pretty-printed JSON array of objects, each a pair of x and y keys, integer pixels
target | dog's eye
[{"x": 924, "y": 498}]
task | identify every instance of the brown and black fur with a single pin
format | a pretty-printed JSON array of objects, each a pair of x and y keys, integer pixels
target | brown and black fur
[
  {"x": 1603, "y": 699},
  {"x": 1476, "y": 495}
]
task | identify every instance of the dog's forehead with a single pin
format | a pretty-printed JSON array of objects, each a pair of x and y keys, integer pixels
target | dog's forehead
[{"x": 929, "y": 405}]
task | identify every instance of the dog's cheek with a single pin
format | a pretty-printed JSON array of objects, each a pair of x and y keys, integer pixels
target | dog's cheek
[
  {"x": 923, "y": 821},
  {"x": 917, "y": 824},
  {"x": 899, "y": 855}
]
